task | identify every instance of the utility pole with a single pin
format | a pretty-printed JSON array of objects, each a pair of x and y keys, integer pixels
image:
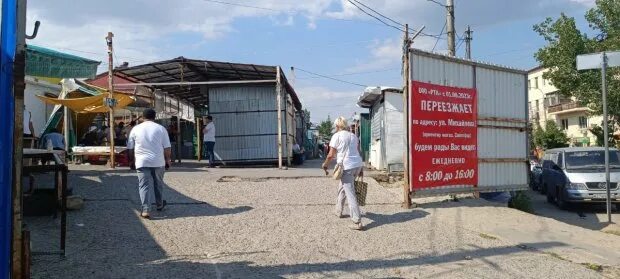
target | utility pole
[
  {"x": 468, "y": 40},
  {"x": 606, "y": 133},
  {"x": 406, "y": 46},
  {"x": 110, "y": 101},
  {"x": 279, "y": 107},
  {"x": 450, "y": 26}
]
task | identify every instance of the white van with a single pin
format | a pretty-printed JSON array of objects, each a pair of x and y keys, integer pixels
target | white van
[{"x": 577, "y": 175}]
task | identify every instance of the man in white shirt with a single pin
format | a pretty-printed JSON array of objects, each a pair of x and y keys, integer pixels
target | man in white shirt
[
  {"x": 209, "y": 140},
  {"x": 149, "y": 147}
]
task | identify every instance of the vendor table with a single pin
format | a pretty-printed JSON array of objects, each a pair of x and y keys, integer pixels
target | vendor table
[
  {"x": 60, "y": 185},
  {"x": 81, "y": 151}
]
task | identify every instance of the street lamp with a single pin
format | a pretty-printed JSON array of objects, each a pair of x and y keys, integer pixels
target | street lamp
[{"x": 601, "y": 61}]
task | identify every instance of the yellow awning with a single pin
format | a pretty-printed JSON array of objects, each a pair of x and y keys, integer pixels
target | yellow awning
[{"x": 93, "y": 104}]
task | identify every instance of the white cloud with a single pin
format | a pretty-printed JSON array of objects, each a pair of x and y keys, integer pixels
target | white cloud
[
  {"x": 140, "y": 26},
  {"x": 388, "y": 54}
]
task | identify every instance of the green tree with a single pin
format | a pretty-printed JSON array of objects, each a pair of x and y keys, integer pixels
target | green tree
[
  {"x": 550, "y": 137},
  {"x": 597, "y": 131},
  {"x": 306, "y": 113},
  {"x": 565, "y": 42},
  {"x": 326, "y": 127}
]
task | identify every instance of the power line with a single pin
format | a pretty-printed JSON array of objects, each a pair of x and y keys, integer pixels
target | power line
[
  {"x": 373, "y": 16},
  {"x": 357, "y": 73},
  {"x": 243, "y": 5},
  {"x": 436, "y": 42},
  {"x": 388, "y": 18},
  {"x": 459, "y": 45},
  {"x": 328, "y": 77},
  {"x": 440, "y": 4}
]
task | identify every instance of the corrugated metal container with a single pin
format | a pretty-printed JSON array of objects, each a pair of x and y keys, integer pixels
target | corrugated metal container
[
  {"x": 247, "y": 123},
  {"x": 376, "y": 151},
  {"x": 365, "y": 134},
  {"x": 394, "y": 132},
  {"x": 502, "y": 118},
  {"x": 386, "y": 116}
]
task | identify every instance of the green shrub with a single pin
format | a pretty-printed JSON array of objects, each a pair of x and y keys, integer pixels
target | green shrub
[{"x": 521, "y": 201}]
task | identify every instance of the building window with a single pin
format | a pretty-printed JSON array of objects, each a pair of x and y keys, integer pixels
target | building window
[
  {"x": 543, "y": 81},
  {"x": 564, "y": 124},
  {"x": 583, "y": 122},
  {"x": 529, "y": 83},
  {"x": 536, "y": 82}
]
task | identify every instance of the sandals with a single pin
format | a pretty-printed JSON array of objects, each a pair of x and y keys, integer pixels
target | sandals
[
  {"x": 357, "y": 227},
  {"x": 163, "y": 204}
]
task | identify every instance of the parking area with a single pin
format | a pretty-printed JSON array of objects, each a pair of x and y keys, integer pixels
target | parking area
[{"x": 589, "y": 216}]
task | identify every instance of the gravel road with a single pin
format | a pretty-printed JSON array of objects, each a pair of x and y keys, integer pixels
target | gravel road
[{"x": 248, "y": 227}]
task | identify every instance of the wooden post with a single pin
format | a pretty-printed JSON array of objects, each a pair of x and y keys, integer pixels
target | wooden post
[
  {"x": 111, "y": 97},
  {"x": 19, "y": 86},
  {"x": 198, "y": 139},
  {"x": 287, "y": 128},
  {"x": 406, "y": 189},
  {"x": 279, "y": 108}
]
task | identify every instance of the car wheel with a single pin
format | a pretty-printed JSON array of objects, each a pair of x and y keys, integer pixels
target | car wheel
[
  {"x": 559, "y": 199},
  {"x": 543, "y": 189}
]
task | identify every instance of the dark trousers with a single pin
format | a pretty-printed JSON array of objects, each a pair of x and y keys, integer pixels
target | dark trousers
[{"x": 209, "y": 153}]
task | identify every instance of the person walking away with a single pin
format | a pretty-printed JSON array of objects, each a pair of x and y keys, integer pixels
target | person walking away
[
  {"x": 149, "y": 147},
  {"x": 209, "y": 140},
  {"x": 344, "y": 145},
  {"x": 172, "y": 136}
]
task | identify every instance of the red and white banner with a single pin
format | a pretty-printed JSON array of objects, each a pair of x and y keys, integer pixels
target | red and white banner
[{"x": 443, "y": 136}]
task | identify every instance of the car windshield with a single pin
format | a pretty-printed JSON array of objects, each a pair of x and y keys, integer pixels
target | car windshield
[{"x": 591, "y": 159}]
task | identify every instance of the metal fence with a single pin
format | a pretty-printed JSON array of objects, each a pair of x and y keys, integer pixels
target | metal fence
[{"x": 502, "y": 118}]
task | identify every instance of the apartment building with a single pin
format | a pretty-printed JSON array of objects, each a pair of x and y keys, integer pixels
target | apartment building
[{"x": 546, "y": 103}]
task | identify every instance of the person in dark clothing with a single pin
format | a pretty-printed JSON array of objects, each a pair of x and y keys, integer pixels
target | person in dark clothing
[
  {"x": 91, "y": 138},
  {"x": 119, "y": 136}
]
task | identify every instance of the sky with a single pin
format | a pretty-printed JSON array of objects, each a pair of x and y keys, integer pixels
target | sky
[{"x": 327, "y": 37}]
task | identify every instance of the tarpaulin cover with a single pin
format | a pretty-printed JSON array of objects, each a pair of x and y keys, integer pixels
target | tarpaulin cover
[
  {"x": 7, "y": 120},
  {"x": 50, "y": 63},
  {"x": 93, "y": 104}
]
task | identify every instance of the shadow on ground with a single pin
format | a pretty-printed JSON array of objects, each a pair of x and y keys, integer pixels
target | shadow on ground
[
  {"x": 589, "y": 216},
  {"x": 107, "y": 234},
  {"x": 379, "y": 220}
]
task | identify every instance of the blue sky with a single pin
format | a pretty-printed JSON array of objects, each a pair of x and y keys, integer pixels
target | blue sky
[{"x": 329, "y": 37}]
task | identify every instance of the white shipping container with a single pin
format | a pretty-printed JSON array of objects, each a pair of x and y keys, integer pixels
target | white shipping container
[{"x": 502, "y": 118}]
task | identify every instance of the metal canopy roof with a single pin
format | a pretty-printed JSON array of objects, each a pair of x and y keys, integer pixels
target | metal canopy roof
[{"x": 182, "y": 69}]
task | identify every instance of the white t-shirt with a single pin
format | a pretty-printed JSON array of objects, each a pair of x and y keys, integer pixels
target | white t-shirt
[
  {"x": 209, "y": 133},
  {"x": 148, "y": 140},
  {"x": 339, "y": 141}
]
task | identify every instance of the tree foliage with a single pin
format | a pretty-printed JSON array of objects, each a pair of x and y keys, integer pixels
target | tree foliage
[
  {"x": 565, "y": 42},
  {"x": 550, "y": 137},
  {"x": 326, "y": 127},
  {"x": 597, "y": 131},
  {"x": 306, "y": 113}
]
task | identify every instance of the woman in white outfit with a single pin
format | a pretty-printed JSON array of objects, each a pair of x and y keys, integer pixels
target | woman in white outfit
[{"x": 344, "y": 145}]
